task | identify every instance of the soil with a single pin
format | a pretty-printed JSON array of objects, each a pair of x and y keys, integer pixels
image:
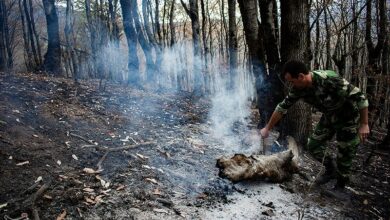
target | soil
[{"x": 73, "y": 151}]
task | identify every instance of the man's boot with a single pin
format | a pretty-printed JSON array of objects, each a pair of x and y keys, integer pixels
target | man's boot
[
  {"x": 329, "y": 174},
  {"x": 338, "y": 191}
]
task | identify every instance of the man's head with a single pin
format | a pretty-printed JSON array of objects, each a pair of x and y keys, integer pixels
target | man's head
[{"x": 296, "y": 74}]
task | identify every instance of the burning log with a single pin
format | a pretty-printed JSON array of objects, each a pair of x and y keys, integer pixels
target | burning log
[{"x": 275, "y": 168}]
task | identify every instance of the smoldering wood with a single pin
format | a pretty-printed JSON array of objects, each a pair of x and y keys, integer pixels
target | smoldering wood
[{"x": 275, "y": 168}]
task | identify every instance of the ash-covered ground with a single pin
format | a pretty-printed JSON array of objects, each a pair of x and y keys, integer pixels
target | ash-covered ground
[{"x": 72, "y": 151}]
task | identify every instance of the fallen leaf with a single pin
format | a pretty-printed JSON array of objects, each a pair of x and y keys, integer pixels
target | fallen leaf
[
  {"x": 161, "y": 211},
  {"x": 16, "y": 111},
  {"x": 88, "y": 189},
  {"x": 62, "y": 215},
  {"x": 10, "y": 157},
  {"x": 67, "y": 143},
  {"x": 120, "y": 187},
  {"x": 34, "y": 135},
  {"x": 157, "y": 191},
  {"x": 59, "y": 162},
  {"x": 98, "y": 199},
  {"x": 79, "y": 211},
  {"x": 75, "y": 157},
  {"x": 142, "y": 156},
  {"x": 91, "y": 171},
  {"x": 90, "y": 201},
  {"x": 22, "y": 163},
  {"x": 151, "y": 180},
  {"x": 47, "y": 196},
  {"x": 365, "y": 202},
  {"x": 3, "y": 205},
  {"x": 38, "y": 179},
  {"x": 63, "y": 177}
]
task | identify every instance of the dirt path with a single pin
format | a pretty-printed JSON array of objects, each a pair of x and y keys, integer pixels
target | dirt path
[{"x": 148, "y": 156}]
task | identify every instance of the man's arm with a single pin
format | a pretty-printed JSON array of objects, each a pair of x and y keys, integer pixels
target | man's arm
[
  {"x": 275, "y": 118},
  {"x": 364, "y": 129}
]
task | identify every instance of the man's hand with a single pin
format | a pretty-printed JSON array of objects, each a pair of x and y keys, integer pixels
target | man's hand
[
  {"x": 364, "y": 130},
  {"x": 264, "y": 132}
]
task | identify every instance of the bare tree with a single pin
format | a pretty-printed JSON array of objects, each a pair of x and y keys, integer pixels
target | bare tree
[
  {"x": 52, "y": 61},
  {"x": 233, "y": 44},
  {"x": 131, "y": 37},
  {"x": 294, "y": 43},
  {"x": 249, "y": 13}
]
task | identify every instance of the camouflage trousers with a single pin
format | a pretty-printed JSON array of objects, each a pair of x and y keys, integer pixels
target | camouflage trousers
[{"x": 345, "y": 124}]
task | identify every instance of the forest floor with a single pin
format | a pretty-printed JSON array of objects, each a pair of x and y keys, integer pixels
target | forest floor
[{"x": 71, "y": 151}]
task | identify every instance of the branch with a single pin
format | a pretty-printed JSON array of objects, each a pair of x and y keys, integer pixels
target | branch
[{"x": 185, "y": 7}]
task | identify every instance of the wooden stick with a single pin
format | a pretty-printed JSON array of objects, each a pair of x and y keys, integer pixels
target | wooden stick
[
  {"x": 108, "y": 150},
  {"x": 81, "y": 137}
]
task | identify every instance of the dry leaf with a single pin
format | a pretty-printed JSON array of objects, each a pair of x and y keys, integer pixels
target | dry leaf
[
  {"x": 365, "y": 202},
  {"x": 91, "y": 171},
  {"x": 47, "y": 196},
  {"x": 98, "y": 199},
  {"x": 75, "y": 157},
  {"x": 89, "y": 201},
  {"x": 59, "y": 162},
  {"x": 161, "y": 211},
  {"x": 62, "y": 215},
  {"x": 3, "y": 205},
  {"x": 88, "y": 189},
  {"x": 120, "y": 187},
  {"x": 38, "y": 179},
  {"x": 157, "y": 191},
  {"x": 151, "y": 180},
  {"x": 23, "y": 163},
  {"x": 63, "y": 176},
  {"x": 79, "y": 211}
]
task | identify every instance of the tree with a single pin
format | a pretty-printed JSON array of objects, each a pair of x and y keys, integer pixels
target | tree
[
  {"x": 270, "y": 89},
  {"x": 193, "y": 13},
  {"x": 52, "y": 63},
  {"x": 131, "y": 37},
  {"x": 294, "y": 44},
  {"x": 249, "y": 13},
  {"x": 233, "y": 44}
]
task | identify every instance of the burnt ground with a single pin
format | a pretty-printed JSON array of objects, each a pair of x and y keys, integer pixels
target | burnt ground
[{"x": 70, "y": 151}]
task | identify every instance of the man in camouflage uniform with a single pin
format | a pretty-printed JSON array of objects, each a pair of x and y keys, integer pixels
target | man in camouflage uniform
[{"x": 345, "y": 114}]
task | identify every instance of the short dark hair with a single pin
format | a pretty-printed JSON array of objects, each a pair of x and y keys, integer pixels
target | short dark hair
[{"x": 294, "y": 67}]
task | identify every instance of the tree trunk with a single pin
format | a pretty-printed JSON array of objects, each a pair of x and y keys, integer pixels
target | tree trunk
[
  {"x": 131, "y": 37},
  {"x": 193, "y": 13},
  {"x": 2, "y": 37},
  {"x": 269, "y": 90},
  {"x": 374, "y": 68},
  {"x": 294, "y": 44},
  {"x": 52, "y": 61},
  {"x": 145, "y": 44},
  {"x": 233, "y": 44},
  {"x": 249, "y": 13},
  {"x": 68, "y": 31},
  {"x": 172, "y": 24}
]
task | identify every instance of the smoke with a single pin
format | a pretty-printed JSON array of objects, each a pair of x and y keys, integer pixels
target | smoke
[{"x": 230, "y": 114}]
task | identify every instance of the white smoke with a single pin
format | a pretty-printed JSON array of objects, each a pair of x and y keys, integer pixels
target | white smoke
[{"x": 230, "y": 114}]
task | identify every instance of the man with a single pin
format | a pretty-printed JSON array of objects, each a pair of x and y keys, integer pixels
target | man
[{"x": 345, "y": 114}]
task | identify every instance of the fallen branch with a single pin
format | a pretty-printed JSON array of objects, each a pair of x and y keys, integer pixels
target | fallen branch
[
  {"x": 31, "y": 200},
  {"x": 108, "y": 150},
  {"x": 81, "y": 137}
]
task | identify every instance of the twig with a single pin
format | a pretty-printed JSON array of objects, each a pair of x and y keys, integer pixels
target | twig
[
  {"x": 99, "y": 164},
  {"x": 81, "y": 137},
  {"x": 108, "y": 150},
  {"x": 37, "y": 194}
]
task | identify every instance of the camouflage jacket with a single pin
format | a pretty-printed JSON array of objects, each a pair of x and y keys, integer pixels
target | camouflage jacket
[{"x": 328, "y": 93}]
